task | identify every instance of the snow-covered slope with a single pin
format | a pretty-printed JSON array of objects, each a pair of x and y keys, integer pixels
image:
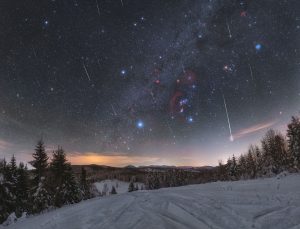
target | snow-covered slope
[
  {"x": 265, "y": 203},
  {"x": 120, "y": 186}
]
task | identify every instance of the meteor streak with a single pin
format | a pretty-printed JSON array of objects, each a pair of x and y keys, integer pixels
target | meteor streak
[
  {"x": 228, "y": 120},
  {"x": 86, "y": 72},
  {"x": 228, "y": 28},
  {"x": 98, "y": 9}
]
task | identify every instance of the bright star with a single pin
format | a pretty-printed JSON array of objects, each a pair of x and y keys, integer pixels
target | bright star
[
  {"x": 123, "y": 72},
  {"x": 140, "y": 124},
  {"x": 190, "y": 119},
  {"x": 258, "y": 47}
]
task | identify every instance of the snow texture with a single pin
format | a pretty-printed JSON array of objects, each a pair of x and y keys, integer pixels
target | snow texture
[{"x": 264, "y": 203}]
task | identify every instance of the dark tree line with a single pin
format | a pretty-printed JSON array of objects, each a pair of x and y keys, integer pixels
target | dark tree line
[
  {"x": 50, "y": 184},
  {"x": 276, "y": 154}
]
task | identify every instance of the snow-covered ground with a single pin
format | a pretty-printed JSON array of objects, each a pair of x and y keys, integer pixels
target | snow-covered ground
[
  {"x": 264, "y": 203},
  {"x": 105, "y": 186}
]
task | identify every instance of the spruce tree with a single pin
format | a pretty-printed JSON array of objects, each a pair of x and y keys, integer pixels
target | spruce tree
[
  {"x": 234, "y": 169},
  {"x": 7, "y": 204},
  {"x": 113, "y": 190},
  {"x": 40, "y": 193},
  {"x": 65, "y": 189},
  {"x": 22, "y": 190},
  {"x": 293, "y": 135},
  {"x": 85, "y": 185},
  {"x": 11, "y": 177},
  {"x": 250, "y": 163},
  {"x": 221, "y": 171},
  {"x": 131, "y": 186},
  {"x": 40, "y": 162},
  {"x": 242, "y": 167}
]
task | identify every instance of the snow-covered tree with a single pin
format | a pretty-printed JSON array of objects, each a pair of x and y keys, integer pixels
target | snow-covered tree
[
  {"x": 113, "y": 190},
  {"x": 250, "y": 163},
  {"x": 40, "y": 162},
  {"x": 22, "y": 190},
  {"x": 40, "y": 193},
  {"x": 131, "y": 186},
  {"x": 293, "y": 135},
  {"x": 65, "y": 189},
  {"x": 85, "y": 186},
  {"x": 242, "y": 164},
  {"x": 104, "y": 190},
  {"x": 7, "y": 203}
]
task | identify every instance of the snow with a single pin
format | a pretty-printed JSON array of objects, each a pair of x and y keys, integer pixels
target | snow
[
  {"x": 264, "y": 203},
  {"x": 120, "y": 186}
]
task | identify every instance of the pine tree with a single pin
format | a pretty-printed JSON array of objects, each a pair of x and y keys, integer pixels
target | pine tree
[
  {"x": 40, "y": 193},
  {"x": 250, "y": 163},
  {"x": 13, "y": 173},
  {"x": 64, "y": 186},
  {"x": 274, "y": 152},
  {"x": 234, "y": 169},
  {"x": 242, "y": 167},
  {"x": 40, "y": 162},
  {"x": 259, "y": 162},
  {"x": 228, "y": 168},
  {"x": 6, "y": 197},
  {"x": 104, "y": 190},
  {"x": 221, "y": 173},
  {"x": 131, "y": 186},
  {"x": 268, "y": 149},
  {"x": 293, "y": 135},
  {"x": 113, "y": 190},
  {"x": 281, "y": 156},
  {"x": 22, "y": 190},
  {"x": 85, "y": 185},
  {"x": 11, "y": 177}
]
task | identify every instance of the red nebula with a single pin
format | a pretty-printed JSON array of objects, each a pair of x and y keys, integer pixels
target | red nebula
[{"x": 174, "y": 101}]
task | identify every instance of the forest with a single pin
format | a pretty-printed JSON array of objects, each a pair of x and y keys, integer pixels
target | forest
[{"x": 52, "y": 182}]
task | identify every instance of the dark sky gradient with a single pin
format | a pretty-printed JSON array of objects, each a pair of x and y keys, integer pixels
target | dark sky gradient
[{"x": 143, "y": 82}]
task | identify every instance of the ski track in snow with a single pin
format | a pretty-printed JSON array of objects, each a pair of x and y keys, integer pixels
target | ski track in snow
[{"x": 264, "y": 203}]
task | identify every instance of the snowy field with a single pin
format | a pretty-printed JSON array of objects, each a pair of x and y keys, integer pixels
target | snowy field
[
  {"x": 105, "y": 186},
  {"x": 265, "y": 203}
]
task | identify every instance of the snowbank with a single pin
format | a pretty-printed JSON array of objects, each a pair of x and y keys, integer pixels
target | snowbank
[{"x": 264, "y": 203}]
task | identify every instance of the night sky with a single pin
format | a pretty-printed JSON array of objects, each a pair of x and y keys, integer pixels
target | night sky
[{"x": 117, "y": 82}]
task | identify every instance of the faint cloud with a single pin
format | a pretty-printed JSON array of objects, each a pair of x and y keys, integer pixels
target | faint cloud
[
  {"x": 252, "y": 129},
  {"x": 4, "y": 145}
]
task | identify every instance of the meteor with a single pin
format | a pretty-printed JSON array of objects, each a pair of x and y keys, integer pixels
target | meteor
[
  {"x": 228, "y": 120},
  {"x": 86, "y": 72},
  {"x": 228, "y": 28}
]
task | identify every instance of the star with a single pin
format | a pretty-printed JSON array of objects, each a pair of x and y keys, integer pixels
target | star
[
  {"x": 258, "y": 47},
  {"x": 190, "y": 119},
  {"x": 140, "y": 124},
  {"x": 123, "y": 72}
]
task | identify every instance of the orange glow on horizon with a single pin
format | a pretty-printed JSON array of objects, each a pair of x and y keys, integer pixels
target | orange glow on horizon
[
  {"x": 124, "y": 160},
  {"x": 110, "y": 160}
]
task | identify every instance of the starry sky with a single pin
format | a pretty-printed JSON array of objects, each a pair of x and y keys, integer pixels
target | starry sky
[{"x": 175, "y": 82}]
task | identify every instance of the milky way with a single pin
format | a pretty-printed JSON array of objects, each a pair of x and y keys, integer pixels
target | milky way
[{"x": 147, "y": 78}]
